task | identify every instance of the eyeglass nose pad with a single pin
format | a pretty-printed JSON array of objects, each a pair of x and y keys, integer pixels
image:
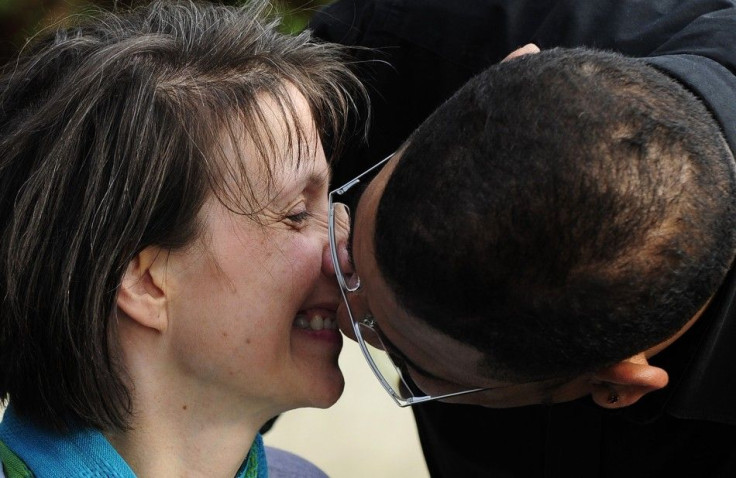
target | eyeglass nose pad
[
  {"x": 345, "y": 267},
  {"x": 342, "y": 231},
  {"x": 343, "y": 258}
]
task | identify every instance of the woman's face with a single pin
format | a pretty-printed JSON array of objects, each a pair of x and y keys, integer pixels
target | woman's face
[{"x": 252, "y": 302}]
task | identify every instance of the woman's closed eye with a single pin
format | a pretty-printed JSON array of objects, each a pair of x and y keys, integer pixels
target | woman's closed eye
[{"x": 299, "y": 217}]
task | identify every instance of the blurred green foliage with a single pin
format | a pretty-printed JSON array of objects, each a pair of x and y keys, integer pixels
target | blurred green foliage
[{"x": 21, "y": 19}]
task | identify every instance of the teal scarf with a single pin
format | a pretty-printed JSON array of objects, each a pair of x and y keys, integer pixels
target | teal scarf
[{"x": 81, "y": 452}]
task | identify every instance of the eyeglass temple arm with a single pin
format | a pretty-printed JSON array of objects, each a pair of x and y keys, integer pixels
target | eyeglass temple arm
[{"x": 345, "y": 187}]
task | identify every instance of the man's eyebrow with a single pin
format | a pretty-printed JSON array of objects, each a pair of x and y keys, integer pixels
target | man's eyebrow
[
  {"x": 356, "y": 193},
  {"x": 349, "y": 246},
  {"x": 393, "y": 350},
  {"x": 421, "y": 370}
]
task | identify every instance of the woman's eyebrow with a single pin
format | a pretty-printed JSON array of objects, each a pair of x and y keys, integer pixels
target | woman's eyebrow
[
  {"x": 321, "y": 177},
  {"x": 316, "y": 179}
]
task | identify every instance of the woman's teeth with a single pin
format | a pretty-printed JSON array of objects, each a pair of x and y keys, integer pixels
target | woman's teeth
[{"x": 317, "y": 322}]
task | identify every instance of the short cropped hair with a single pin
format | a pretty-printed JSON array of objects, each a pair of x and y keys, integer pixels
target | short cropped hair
[
  {"x": 563, "y": 211},
  {"x": 112, "y": 136}
]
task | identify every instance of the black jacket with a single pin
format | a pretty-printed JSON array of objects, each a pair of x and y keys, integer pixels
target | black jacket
[{"x": 428, "y": 48}]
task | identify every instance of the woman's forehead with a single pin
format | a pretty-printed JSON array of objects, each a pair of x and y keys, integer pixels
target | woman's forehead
[{"x": 276, "y": 145}]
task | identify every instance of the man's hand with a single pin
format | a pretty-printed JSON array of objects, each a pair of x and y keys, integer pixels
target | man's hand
[{"x": 525, "y": 50}]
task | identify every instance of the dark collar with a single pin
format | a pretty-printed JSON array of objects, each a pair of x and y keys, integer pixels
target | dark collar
[{"x": 700, "y": 366}]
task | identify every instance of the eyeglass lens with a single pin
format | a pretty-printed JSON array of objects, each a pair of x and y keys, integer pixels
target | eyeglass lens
[{"x": 390, "y": 366}]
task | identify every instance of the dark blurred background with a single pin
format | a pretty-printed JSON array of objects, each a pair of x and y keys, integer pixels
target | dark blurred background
[{"x": 20, "y": 19}]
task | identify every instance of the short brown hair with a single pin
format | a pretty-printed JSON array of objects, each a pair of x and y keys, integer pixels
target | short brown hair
[{"x": 109, "y": 138}]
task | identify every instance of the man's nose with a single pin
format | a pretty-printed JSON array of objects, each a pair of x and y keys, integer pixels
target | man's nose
[{"x": 358, "y": 310}]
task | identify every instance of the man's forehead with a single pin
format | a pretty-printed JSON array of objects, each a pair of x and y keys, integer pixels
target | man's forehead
[{"x": 366, "y": 198}]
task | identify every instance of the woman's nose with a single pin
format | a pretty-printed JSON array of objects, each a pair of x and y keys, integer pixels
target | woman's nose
[
  {"x": 328, "y": 266},
  {"x": 343, "y": 259},
  {"x": 341, "y": 233}
]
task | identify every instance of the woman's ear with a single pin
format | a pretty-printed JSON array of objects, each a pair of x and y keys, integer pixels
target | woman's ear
[
  {"x": 142, "y": 295},
  {"x": 625, "y": 382}
]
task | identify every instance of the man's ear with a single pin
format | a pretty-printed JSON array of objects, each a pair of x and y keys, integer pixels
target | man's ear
[
  {"x": 142, "y": 294},
  {"x": 624, "y": 383}
]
